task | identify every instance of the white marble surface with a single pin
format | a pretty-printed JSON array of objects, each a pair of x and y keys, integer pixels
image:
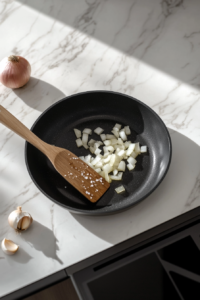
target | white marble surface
[{"x": 146, "y": 49}]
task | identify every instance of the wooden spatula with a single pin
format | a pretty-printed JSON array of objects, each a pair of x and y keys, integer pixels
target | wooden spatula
[{"x": 73, "y": 169}]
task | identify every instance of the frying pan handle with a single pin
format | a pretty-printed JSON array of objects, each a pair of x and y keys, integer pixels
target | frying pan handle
[{"x": 15, "y": 125}]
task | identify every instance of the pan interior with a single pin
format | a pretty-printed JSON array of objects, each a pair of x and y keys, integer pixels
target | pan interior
[{"x": 91, "y": 110}]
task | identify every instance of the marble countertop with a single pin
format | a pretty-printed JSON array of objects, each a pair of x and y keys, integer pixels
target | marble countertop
[{"x": 146, "y": 49}]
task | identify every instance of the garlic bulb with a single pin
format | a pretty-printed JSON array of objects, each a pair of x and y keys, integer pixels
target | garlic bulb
[
  {"x": 9, "y": 247},
  {"x": 15, "y": 71},
  {"x": 20, "y": 220}
]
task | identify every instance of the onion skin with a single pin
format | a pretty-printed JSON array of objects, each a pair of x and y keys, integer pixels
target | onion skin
[{"x": 15, "y": 71}]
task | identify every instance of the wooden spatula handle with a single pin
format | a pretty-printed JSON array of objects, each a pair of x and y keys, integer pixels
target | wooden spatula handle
[{"x": 15, "y": 125}]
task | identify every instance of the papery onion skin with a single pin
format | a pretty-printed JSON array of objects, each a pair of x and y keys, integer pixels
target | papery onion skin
[{"x": 15, "y": 71}]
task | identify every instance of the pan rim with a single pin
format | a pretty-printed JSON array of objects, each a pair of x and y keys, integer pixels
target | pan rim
[{"x": 115, "y": 209}]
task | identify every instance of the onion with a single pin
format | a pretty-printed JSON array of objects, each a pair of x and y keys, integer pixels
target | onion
[
  {"x": 98, "y": 130},
  {"x": 116, "y": 150},
  {"x": 15, "y": 71},
  {"x": 77, "y": 133},
  {"x": 120, "y": 189}
]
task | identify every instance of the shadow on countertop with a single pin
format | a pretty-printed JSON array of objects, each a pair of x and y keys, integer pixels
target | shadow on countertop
[
  {"x": 39, "y": 94},
  {"x": 164, "y": 34},
  {"x": 42, "y": 239},
  {"x": 177, "y": 193}
]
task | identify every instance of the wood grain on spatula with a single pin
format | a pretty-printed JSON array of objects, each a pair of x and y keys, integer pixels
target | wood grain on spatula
[{"x": 73, "y": 169}]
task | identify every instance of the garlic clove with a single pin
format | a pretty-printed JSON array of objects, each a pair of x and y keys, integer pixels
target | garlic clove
[
  {"x": 20, "y": 220},
  {"x": 9, "y": 247},
  {"x": 26, "y": 222}
]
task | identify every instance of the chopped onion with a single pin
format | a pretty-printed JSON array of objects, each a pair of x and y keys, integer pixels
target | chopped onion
[
  {"x": 115, "y": 172},
  {"x": 116, "y": 133},
  {"x": 85, "y": 138},
  {"x": 130, "y": 167},
  {"x": 110, "y": 136},
  {"x": 96, "y": 160},
  {"x": 79, "y": 143},
  {"x": 132, "y": 160},
  {"x": 121, "y": 153},
  {"x": 116, "y": 150},
  {"x": 137, "y": 148},
  {"x": 77, "y": 133},
  {"x": 131, "y": 147},
  {"x": 123, "y": 135},
  {"x": 97, "y": 151},
  {"x": 127, "y": 130},
  {"x": 98, "y": 130},
  {"x": 92, "y": 149},
  {"x": 122, "y": 166},
  {"x": 87, "y": 130},
  {"x": 118, "y": 126},
  {"x": 88, "y": 158},
  {"x": 91, "y": 142},
  {"x": 98, "y": 170},
  {"x": 103, "y": 137},
  {"x": 120, "y": 189},
  {"x": 143, "y": 149},
  {"x": 107, "y": 143}
]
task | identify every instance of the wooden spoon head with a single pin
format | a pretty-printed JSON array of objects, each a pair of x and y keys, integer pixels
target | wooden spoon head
[{"x": 86, "y": 180}]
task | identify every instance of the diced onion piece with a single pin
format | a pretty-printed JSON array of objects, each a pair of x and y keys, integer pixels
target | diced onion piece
[
  {"x": 96, "y": 160},
  {"x": 122, "y": 166},
  {"x": 112, "y": 159},
  {"x": 77, "y": 133},
  {"x": 82, "y": 158},
  {"x": 115, "y": 132},
  {"x": 137, "y": 148},
  {"x": 115, "y": 172},
  {"x": 98, "y": 130},
  {"x": 116, "y": 129},
  {"x": 127, "y": 130},
  {"x": 118, "y": 126},
  {"x": 113, "y": 177},
  {"x": 79, "y": 143},
  {"x": 85, "y": 146},
  {"x": 98, "y": 170},
  {"x": 121, "y": 153},
  {"x": 120, "y": 189},
  {"x": 85, "y": 138},
  {"x": 127, "y": 143},
  {"x": 103, "y": 137},
  {"x": 88, "y": 158},
  {"x": 102, "y": 173},
  {"x": 107, "y": 159},
  {"x": 130, "y": 167},
  {"x": 132, "y": 160},
  {"x": 114, "y": 142},
  {"x": 120, "y": 142},
  {"x": 99, "y": 164},
  {"x": 87, "y": 130},
  {"x": 120, "y": 174},
  {"x": 107, "y": 168},
  {"x": 123, "y": 135},
  {"x": 92, "y": 149},
  {"x": 110, "y": 148},
  {"x": 130, "y": 149},
  {"x": 134, "y": 154},
  {"x": 110, "y": 136},
  {"x": 107, "y": 143},
  {"x": 97, "y": 151},
  {"x": 91, "y": 142},
  {"x": 143, "y": 149}
]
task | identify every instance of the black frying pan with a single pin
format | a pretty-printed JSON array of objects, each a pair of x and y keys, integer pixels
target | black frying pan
[{"x": 91, "y": 110}]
